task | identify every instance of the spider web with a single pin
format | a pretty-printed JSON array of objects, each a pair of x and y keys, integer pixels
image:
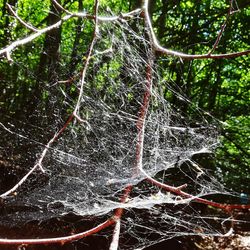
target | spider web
[{"x": 93, "y": 160}]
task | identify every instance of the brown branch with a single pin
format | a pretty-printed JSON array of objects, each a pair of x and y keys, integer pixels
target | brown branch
[
  {"x": 140, "y": 124},
  {"x": 116, "y": 235},
  {"x": 59, "y": 240},
  {"x": 158, "y": 47},
  {"x": 140, "y": 127},
  {"x": 223, "y": 26},
  {"x": 178, "y": 191}
]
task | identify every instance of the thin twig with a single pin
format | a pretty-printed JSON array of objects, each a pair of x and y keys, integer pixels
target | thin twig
[
  {"x": 88, "y": 57},
  {"x": 99, "y": 18},
  {"x": 28, "y": 26},
  {"x": 61, "y": 7},
  {"x": 39, "y": 162},
  {"x": 8, "y": 50},
  {"x": 223, "y": 26},
  {"x": 178, "y": 191},
  {"x": 14, "y": 188}
]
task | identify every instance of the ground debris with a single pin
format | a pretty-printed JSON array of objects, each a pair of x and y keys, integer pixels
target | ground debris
[{"x": 239, "y": 241}]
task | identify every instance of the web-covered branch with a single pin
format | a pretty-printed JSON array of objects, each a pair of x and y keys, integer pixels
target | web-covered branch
[{"x": 129, "y": 141}]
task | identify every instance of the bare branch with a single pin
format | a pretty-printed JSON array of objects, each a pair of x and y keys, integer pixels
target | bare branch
[
  {"x": 205, "y": 56},
  {"x": 163, "y": 50},
  {"x": 14, "y": 188},
  {"x": 30, "y": 38},
  {"x": 223, "y": 26},
  {"x": 7, "y": 50},
  {"x": 60, "y": 240},
  {"x": 100, "y": 18},
  {"x": 28, "y": 26},
  {"x": 61, "y": 7},
  {"x": 115, "y": 240},
  {"x": 140, "y": 124}
]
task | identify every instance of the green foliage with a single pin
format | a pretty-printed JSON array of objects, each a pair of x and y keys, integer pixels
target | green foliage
[{"x": 233, "y": 156}]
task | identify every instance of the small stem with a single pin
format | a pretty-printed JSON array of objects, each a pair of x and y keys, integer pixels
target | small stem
[{"x": 182, "y": 187}]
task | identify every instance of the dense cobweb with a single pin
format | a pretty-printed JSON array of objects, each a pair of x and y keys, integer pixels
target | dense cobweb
[{"x": 94, "y": 159}]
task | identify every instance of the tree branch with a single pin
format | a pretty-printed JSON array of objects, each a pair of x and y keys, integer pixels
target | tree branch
[
  {"x": 144, "y": 10},
  {"x": 163, "y": 50},
  {"x": 140, "y": 124},
  {"x": 223, "y": 26},
  {"x": 30, "y": 38},
  {"x": 60, "y": 240},
  {"x": 178, "y": 191},
  {"x": 116, "y": 219},
  {"x": 28, "y": 26}
]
